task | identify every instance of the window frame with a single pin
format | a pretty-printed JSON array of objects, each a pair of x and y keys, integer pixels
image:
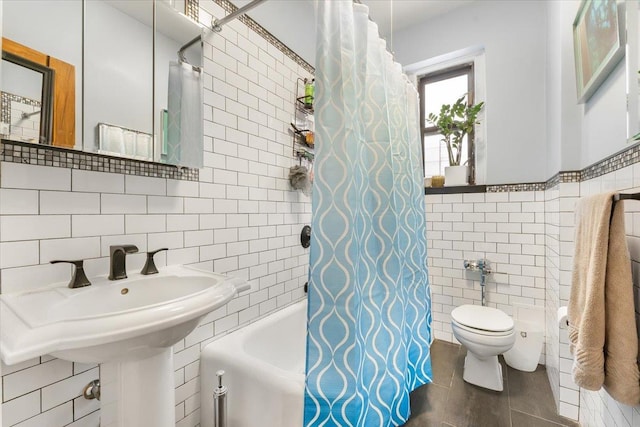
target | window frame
[{"x": 466, "y": 68}]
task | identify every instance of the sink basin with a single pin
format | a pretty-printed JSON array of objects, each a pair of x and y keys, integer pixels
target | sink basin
[
  {"x": 111, "y": 321},
  {"x": 126, "y": 325}
]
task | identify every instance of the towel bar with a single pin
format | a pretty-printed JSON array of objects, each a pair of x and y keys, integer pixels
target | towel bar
[{"x": 622, "y": 196}]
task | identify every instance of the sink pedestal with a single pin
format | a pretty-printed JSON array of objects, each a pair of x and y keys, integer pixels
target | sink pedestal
[{"x": 138, "y": 392}]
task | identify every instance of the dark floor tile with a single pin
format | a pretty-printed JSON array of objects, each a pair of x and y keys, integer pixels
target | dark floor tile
[
  {"x": 518, "y": 419},
  {"x": 531, "y": 394},
  {"x": 469, "y": 405},
  {"x": 504, "y": 365},
  {"x": 443, "y": 361},
  {"x": 427, "y": 405}
]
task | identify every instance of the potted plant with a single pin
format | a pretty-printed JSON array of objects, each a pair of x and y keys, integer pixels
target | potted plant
[{"x": 453, "y": 123}]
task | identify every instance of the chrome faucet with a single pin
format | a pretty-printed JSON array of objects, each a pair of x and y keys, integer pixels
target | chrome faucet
[{"x": 117, "y": 260}]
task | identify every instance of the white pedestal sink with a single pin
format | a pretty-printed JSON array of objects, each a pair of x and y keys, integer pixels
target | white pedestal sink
[
  {"x": 138, "y": 392},
  {"x": 127, "y": 325}
]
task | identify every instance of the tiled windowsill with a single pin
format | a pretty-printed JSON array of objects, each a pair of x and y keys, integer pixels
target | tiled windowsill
[{"x": 456, "y": 189}]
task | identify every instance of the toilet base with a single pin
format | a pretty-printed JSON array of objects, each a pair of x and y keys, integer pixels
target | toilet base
[{"x": 485, "y": 372}]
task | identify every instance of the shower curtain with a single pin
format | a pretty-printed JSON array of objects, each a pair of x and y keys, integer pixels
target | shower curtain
[
  {"x": 369, "y": 315},
  {"x": 185, "y": 121}
]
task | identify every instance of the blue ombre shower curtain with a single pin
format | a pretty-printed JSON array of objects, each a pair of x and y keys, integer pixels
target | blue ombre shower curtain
[{"x": 369, "y": 319}]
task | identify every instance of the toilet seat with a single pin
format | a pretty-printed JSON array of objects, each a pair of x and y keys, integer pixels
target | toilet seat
[
  {"x": 481, "y": 331},
  {"x": 482, "y": 320}
]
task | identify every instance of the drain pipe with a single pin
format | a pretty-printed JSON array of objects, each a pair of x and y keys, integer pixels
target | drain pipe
[{"x": 92, "y": 390}]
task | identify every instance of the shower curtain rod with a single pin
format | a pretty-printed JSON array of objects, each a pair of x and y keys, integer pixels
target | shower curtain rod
[
  {"x": 187, "y": 46},
  {"x": 390, "y": 47},
  {"x": 216, "y": 24}
]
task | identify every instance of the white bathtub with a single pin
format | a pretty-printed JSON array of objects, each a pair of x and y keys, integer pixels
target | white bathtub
[{"x": 264, "y": 365}]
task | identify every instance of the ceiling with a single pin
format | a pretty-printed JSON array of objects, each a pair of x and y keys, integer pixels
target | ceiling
[
  {"x": 407, "y": 13},
  {"x": 293, "y": 21}
]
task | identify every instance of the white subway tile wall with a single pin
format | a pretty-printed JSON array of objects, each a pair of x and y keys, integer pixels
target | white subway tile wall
[
  {"x": 598, "y": 408},
  {"x": 241, "y": 219},
  {"x": 552, "y": 275},
  {"x": 567, "y": 392},
  {"x": 505, "y": 228}
]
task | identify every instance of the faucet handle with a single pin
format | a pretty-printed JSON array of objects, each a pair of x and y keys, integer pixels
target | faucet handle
[
  {"x": 79, "y": 278},
  {"x": 150, "y": 265}
]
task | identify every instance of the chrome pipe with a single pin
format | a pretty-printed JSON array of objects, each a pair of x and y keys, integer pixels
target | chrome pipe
[
  {"x": 92, "y": 390},
  {"x": 216, "y": 24},
  {"x": 481, "y": 265},
  {"x": 190, "y": 43}
]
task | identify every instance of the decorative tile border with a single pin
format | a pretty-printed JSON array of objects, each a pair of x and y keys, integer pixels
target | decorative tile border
[
  {"x": 5, "y": 104},
  {"x": 253, "y": 25},
  {"x": 508, "y": 188},
  {"x": 192, "y": 9},
  {"x": 570, "y": 176},
  {"x": 552, "y": 182},
  {"x": 33, "y": 154},
  {"x": 620, "y": 160}
]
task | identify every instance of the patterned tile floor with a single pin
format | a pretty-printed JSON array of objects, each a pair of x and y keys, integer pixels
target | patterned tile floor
[{"x": 527, "y": 400}]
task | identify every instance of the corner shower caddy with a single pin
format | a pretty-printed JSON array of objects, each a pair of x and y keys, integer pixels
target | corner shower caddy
[{"x": 300, "y": 126}]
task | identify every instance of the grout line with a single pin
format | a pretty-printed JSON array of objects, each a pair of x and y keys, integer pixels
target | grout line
[
  {"x": 538, "y": 417},
  {"x": 508, "y": 394}
]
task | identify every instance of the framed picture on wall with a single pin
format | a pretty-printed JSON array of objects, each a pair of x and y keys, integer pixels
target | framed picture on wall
[{"x": 597, "y": 43}]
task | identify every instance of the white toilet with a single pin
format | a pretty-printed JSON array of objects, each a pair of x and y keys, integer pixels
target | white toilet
[{"x": 486, "y": 332}]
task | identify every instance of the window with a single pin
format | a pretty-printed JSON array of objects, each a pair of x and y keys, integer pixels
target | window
[{"x": 438, "y": 88}]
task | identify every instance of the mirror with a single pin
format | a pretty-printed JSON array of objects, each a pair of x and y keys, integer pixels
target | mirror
[
  {"x": 178, "y": 111},
  {"x": 52, "y": 41},
  {"x": 118, "y": 78},
  {"x": 26, "y": 97},
  {"x": 119, "y": 107}
]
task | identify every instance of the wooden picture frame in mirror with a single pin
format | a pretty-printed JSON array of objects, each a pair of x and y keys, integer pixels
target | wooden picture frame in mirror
[{"x": 55, "y": 105}]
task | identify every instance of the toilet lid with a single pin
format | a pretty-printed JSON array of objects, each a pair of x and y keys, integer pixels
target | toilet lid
[{"x": 479, "y": 317}]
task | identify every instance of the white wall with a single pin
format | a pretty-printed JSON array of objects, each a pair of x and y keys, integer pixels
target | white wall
[
  {"x": 21, "y": 81},
  {"x": 571, "y": 111},
  {"x": 604, "y": 124},
  {"x": 564, "y": 114},
  {"x": 241, "y": 219},
  {"x": 515, "y": 47},
  {"x": 591, "y": 131},
  {"x": 118, "y": 71},
  {"x": 293, "y": 22},
  {"x": 553, "y": 90}
]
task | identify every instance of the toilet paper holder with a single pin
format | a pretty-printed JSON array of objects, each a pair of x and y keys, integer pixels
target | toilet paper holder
[{"x": 563, "y": 317}]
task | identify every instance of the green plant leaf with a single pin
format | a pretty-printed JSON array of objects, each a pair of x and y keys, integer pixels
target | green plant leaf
[{"x": 454, "y": 122}]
